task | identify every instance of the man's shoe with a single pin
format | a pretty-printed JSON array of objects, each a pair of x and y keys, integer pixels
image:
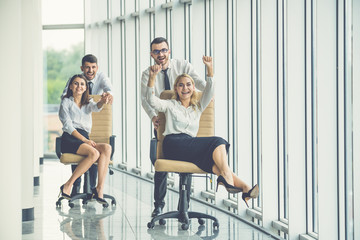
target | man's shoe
[{"x": 157, "y": 211}]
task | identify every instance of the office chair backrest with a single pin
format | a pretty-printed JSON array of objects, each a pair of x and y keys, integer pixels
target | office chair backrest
[
  {"x": 102, "y": 123},
  {"x": 206, "y": 126}
]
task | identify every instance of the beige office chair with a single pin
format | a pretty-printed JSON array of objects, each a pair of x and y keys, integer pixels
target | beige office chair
[
  {"x": 184, "y": 169},
  {"x": 101, "y": 132}
]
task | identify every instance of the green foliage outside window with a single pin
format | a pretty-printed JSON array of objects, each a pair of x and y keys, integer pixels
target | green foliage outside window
[{"x": 60, "y": 65}]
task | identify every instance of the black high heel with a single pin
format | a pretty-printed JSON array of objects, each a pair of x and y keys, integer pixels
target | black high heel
[
  {"x": 64, "y": 195},
  {"x": 96, "y": 197},
  {"x": 253, "y": 193},
  {"x": 230, "y": 188}
]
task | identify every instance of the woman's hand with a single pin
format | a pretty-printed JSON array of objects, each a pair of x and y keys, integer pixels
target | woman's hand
[
  {"x": 153, "y": 71},
  {"x": 105, "y": 98},
  {"x": 90, "y": 142},
  {"x": 209, "y": 65},
  {"x": 109, "y": 97}
]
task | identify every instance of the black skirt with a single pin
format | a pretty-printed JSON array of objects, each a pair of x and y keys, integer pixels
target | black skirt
[
  {"x": 197, "y": 150},
  {"x": 70, "y": 144}
]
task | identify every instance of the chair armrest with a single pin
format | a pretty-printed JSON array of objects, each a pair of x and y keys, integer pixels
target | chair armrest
[
  {"x": 112, "y": 144},
  {"x": 58, "y": 147}
]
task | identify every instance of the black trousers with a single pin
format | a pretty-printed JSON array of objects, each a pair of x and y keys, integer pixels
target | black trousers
[
  {"x": 160, "y": 179},
  {"x": 160, "y": 182}
]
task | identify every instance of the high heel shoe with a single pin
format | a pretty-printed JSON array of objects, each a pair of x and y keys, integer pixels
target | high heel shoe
[
  {"x": 97, "y": 198},
  {"x": 230, "y": 188},
  {"x": 253, "y": 193},
  {"x": 64, "y": 195}
]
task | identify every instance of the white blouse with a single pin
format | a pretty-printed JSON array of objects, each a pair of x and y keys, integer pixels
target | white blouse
[
  {"x": 73, "y": 117},
  {"x": 178, "y": 118}
]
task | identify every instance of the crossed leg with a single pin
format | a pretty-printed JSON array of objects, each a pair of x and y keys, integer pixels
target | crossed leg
[{"x": 222, "y": 168}]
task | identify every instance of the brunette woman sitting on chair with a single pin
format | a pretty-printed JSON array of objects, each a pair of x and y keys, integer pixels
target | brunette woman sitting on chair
[
  {"x": 182, "y": 123},
  {"x": 75, "y": 115}
]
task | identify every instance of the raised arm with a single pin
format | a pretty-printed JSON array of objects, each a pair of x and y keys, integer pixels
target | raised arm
[
  {"x": 209, "y": 88},
  {"x": 207, "y": 60},
  {"x": 155, "y": 102}
]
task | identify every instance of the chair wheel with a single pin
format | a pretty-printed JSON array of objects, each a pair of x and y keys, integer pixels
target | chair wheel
[
  {"x": 201, "y": 221},
  {"x": 58, "y": 204},
  {"x": 113, "y": 202},
  {"x": 162, "y": 221},
  {"x": 71, "y": 205},
  {"x": 216, "y": 225},
  {"x": 150, "y": 225},
  {"x": 184, "y": 226}
]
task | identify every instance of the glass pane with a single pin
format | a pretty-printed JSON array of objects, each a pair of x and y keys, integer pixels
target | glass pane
[
  {"x": 62, "y": 12},
  {"x": 62, "y": 52}
]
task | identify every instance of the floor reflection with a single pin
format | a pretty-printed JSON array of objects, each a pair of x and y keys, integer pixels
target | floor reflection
[
  {"x": 85, "y": 222},
  {"x": 128, "y": 221},
  {"x": 162, "y": 232}
]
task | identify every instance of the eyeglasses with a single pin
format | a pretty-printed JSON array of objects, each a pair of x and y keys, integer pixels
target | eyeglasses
[{"x": 157, "y": 52}]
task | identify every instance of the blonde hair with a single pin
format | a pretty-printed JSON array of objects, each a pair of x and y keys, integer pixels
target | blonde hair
[{"x": 194, "y": 101}]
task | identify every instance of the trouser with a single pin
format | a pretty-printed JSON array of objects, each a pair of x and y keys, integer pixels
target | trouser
[
  {"x": 92, "y": 175},
  {"x": 160, "y": 179},
  {"x": 160, "y": 182}
]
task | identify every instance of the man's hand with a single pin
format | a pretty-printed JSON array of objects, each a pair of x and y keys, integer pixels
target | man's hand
[
  {"x": 105, "y": 98},
  {"x": 156, "y": 122},
  {"x": 154, "y": 70},
  {"x": 108, "y": 96},
  {"x": 209, "y": 65}
]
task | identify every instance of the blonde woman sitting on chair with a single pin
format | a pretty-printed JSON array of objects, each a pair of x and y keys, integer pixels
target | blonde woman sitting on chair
[
  {"x": 75, "y": 115},
  {"x": 182, "y": 124}
]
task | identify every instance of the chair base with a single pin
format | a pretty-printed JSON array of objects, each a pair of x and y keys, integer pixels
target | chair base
[
  {"x": 86, "y": 196},
  {"x": 183, "y": 215}
]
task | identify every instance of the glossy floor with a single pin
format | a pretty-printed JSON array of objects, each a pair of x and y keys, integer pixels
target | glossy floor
[{"x": 128, "y": 220}]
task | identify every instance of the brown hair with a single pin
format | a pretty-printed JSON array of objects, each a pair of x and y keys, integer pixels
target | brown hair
[
  {"x": 194, "y": 101},
  {"x": 85, "y": 97}
]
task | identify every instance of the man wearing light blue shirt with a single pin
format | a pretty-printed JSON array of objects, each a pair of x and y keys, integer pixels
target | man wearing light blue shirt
[{"x": 99, "y": 84}]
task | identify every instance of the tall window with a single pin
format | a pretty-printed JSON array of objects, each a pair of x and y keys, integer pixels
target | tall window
[{"x": 63, "y": 48}]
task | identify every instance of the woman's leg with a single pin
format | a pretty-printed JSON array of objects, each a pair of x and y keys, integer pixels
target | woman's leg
[
  {"x": 103, "y": 164},
  {"x": 92, "y": 155},
  {"x": 222, "y": 168}
]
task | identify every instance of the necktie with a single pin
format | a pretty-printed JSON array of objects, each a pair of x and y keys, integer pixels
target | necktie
[
  {"x": 166, "y": 80},
  {"x": 90, "y": 87}
]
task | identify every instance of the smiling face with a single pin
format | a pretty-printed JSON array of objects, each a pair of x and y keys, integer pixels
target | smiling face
[
  {"x": 160, "y": 53},
  {"x": 184, "y": 88},
  {"x": 78, "y": 86},
  {"x": 89, "y": 69}
]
